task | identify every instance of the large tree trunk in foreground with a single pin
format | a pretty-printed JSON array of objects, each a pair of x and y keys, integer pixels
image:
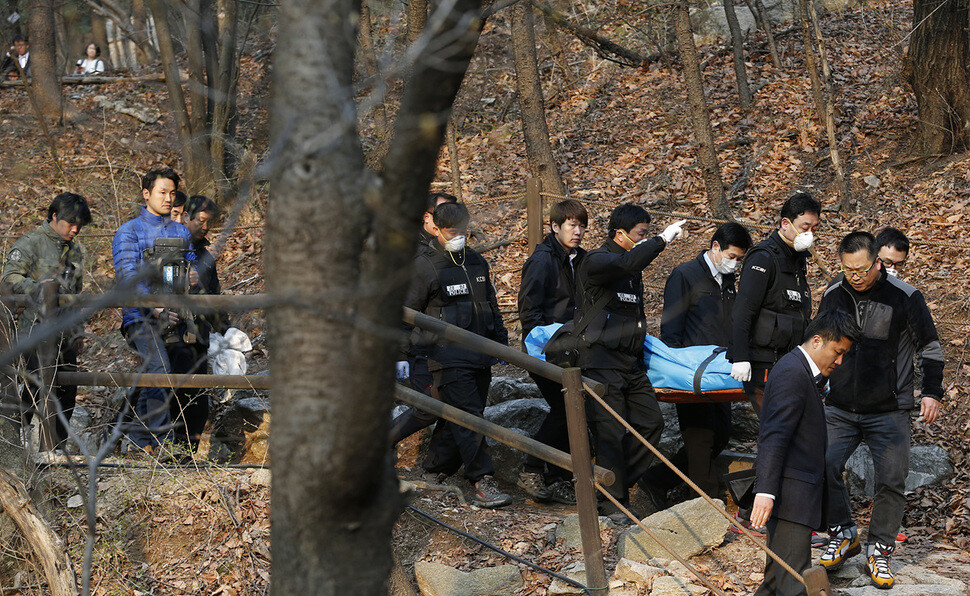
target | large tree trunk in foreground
[
  {"x": 542, "y": 162},
  {"x": 334, "y": 494},
  {"x": 43, "y": 68},
  {"x": 699, "y": 116},
  {"x": 939, "y": 55}
]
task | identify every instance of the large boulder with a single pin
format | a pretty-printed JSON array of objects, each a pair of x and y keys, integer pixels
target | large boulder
[
  {"x": 241, "y": 434},
  {"x": 509, "y": 388},
  {"x": 568, "y": 532},
  {"x": 744, "y": 422},
  {"x": 928, "y": 464},
  {"x": 90, "y": 433},
  {"x": 435, "y": 579},
  {"x": 689, "y": 528},
  {"x": 676, "y": 586},
  {"x": 507, "y": 461},
  {"x": 670, "y": 440},
  {"x": 524, "y": 414}
]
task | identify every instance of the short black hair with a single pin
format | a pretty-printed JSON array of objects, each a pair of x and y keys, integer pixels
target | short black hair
[
  {"x": 856, "y": 241},
  {"x": 451, "y": 215},
  {"x": 22, "y": 38},
  {"x": 893, "y": 238},
  {"x": 832, "y": 325},
  {"x": 434, "y": 197},
  {"x": 732, "y": 234},
  {"x": 70, "y": 207},
  {"x": 148, "y": 180},
  {"x": 180, "y": 199},
  {"x": 568, "y": 209},
  {"x": 799, "y": 203},
  {"x": 626, "y": 217},
  {"x": 201, "y": 204}
]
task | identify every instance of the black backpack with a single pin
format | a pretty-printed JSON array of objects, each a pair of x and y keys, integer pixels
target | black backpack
[{"x": 562, "y": 349}]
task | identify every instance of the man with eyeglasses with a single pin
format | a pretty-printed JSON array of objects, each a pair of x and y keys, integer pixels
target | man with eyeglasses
[
  {"x": 871, "y": 396},
  {"x": 893, "y": 248}
]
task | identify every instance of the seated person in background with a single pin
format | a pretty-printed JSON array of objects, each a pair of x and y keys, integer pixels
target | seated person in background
[
  {"x": 50, "y": 253},
  {"x": 153, "y": 333},
  {"x": 20, "y": 52},
  {"x": 91, "y": 63}
]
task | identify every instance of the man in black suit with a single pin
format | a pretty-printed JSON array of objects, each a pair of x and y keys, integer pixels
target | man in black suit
[{"x": 790, "y": 468}]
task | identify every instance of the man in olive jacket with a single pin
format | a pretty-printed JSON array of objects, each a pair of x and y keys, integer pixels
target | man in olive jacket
[{"x": 50, "y": 253}]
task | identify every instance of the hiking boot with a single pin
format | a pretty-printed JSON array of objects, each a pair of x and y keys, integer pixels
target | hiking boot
[
  {"x": 534, "y": 485},
  {"x": 562, "y": 491},
  {"x": 488, "y": 495},
  {"x": 843, "y": 545},
  {"x": 658, "y": 496},
  {"x": 878, "y": 565}
]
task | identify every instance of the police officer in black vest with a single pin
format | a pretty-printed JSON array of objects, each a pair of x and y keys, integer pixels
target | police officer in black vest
[
  {"x": 451, "y": 283},
  {"x": 774, "y": 303},
  {"x": 698, "y": 303},
  {"x": 610, "y": 288}
]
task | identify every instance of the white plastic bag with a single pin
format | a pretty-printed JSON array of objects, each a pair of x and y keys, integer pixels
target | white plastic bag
[{"x": 226, "y": 352}]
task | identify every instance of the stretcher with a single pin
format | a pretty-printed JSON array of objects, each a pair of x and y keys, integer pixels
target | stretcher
[{"x": 696, "y": 374}]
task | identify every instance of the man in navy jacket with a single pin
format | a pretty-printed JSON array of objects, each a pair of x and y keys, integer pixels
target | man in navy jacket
[
  {"x": 790, "y": 466},
  {"x": 143, "y": 327}
]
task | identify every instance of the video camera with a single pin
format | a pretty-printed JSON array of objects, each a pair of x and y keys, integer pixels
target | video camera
[{"x": 167, "y": 256}]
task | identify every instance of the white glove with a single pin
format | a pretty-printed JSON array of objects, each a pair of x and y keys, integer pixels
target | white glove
[
  {"x": 403, "y": 370},
  {"x": 741, "y": 371},
  {"x": 673, "y": 231}
]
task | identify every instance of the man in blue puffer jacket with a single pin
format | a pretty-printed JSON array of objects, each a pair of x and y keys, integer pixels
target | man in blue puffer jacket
[{"x": 142, "y": 327}]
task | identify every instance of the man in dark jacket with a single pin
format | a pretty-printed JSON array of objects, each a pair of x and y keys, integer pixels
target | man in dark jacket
[
  {"x": 893, "y": 249},
  {"x": 415, "y": 368},
  {"x": 791, "y": 449},
  {"x": 547, "y": 295},
  {"x": 774, "y": 301},
  {"x": 698, "y": 305},
  {"x": 610, "y": 297},
  {"x": 50, "y": 253},
  {"x": 871, "y": 396},
  {"x": 451, "y": 282}
]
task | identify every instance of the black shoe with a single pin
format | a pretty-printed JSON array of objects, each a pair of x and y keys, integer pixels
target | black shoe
[
  {"x": 657, "y": 495},
  {"x": 488, "y": 495},
  {"x": 562, "y": 491}
]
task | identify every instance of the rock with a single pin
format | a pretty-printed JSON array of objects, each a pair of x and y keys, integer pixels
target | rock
[
  {"x": 435, "y": 579},
  {"x": 689, "y": 528},
  {"x": 902, "y": 590},
  {"x": 670, "y": 440},
  {"x": 709, "y": 24},
  {"x": 744, "y": 422},
  {"x": 143, "y": 113},
  {"x": 871, "y": 180},
  {"x": 262, "y": 477},
  {"x": 675, "y": 586},
  {"x": 398, "y": 410},
  {"x": 90, "y": 433},
  {"x": 636, "y": 573},
  {"x": 851, "y": 570},
  {"x": 508, "y": 461},
  {"x": 75, "y": 502},
  {"x": 568, "y": 532},
  {"x": 241, "y": 434},
  {"x": 525, "y": 414},
  {"x": 508, "y": 388},
  {"x": 913, "y": 574},
  {"x": 928, "y": 464},
  {"x": 575, "y": 572}
]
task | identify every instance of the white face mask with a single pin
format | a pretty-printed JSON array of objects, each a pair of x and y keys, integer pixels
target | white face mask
[
  {"x": 455, "y": 244},
  {"x": 803, "y": 241},
  {"x": 892, "y": 271},
  {"x": 727, "y": 266}
]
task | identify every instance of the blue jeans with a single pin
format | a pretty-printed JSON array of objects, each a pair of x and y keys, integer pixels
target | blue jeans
[
  {"x": 152, "y": 418},
  {"x": 888, "y": 436}
]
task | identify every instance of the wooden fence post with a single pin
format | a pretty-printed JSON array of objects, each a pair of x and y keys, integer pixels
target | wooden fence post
[
  {"x": 533, "y": 209},
  {"x": 589, "y": 525}
]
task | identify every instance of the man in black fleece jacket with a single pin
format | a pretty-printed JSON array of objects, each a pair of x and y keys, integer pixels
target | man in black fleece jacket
[{"x": 871, "y": 397}]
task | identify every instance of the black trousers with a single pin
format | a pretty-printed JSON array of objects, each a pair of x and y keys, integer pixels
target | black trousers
[
  {"x": 793, "y": 543},
  {"x": 706, "y": 429},
  {"x": 632, "y": 397},
  {"x": 414, "y": 419},
  {"x": 66, "y": 394},
  {"x": 553, "y": 432},
  {"x": 190, "y": 407},
  {"x": 453, "y": 445}
]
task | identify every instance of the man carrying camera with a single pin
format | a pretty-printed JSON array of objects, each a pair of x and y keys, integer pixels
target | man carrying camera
[{"x": 138, "y": 247}]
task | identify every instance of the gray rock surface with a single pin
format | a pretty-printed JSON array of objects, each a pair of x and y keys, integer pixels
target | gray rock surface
[
  {"x": 675, "y": 586},
  {"x": 507, "y": 460},
  {"x": 568, "y": 532},
  {"x": 636, "y": 573},
  {"x": 902, "y": 590},
  {"x": 744, "y": 422},
  {"x": 689, "y": 528},
  {"x": 524, "y": 414},
  {"x": 509, "y": 388},
  {"x": 575, "y": 572},
  {"x": 928, "y": 464},
  {"x": 435, "y": 579}
]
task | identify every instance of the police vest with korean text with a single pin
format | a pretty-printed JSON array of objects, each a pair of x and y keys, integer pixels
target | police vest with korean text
[{"x": 787, "y": 306}]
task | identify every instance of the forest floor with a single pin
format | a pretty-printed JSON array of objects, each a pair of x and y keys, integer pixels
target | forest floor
[{"x": 620, "y": 134}]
